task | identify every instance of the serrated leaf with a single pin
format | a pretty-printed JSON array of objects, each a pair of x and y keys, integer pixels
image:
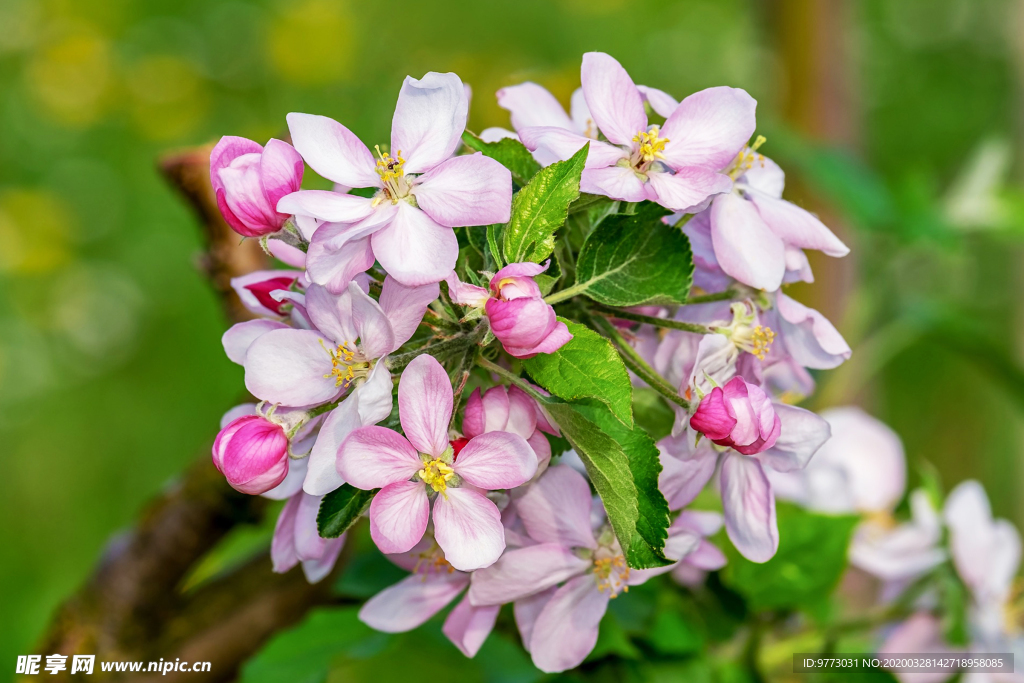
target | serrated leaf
[
  {"x": 540, "y": 208},
  {"x": 807, "y": 567},
  {"x": 629, "y": 260},
  {"x": 510, "y": 153},
  {"x": 623, "y": 464},
  {"x": 588, "y": 366},
  {"x": 340, "y": 509}
]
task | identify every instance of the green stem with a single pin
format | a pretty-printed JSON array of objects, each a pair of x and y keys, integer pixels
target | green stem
[
  {"x": 708, "y": 298},
  {"x": 567, "y": 293},
  {"x": 635, "y": 362},
  {"x": 502, "y": 372},
  {"x": 439, "y": 350},
  {"x": 651, "y": 320}
]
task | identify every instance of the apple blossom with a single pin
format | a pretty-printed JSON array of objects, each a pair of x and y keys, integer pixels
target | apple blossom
[{"x": 248, "y": 180}]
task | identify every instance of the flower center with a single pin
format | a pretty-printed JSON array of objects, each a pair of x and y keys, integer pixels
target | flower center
[
  {"x": 396, "y": 185},
  {"x": 754, "y": 339},
  {"x": 436, "y": 474},
  {"x": 649, "y": 148},
  {"x": 611, "y": 573},
  {"x": 746, "y": 158},
  {"x": 347, "y": 365},
  {"x": 432, "y": 561}
]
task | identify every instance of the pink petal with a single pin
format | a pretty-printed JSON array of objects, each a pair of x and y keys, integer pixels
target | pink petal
[
  {"x": 465, "y": 294},
  {"x": 687, "y": 188},
  {"x": 707, "y": 557},
  {"x": 333, "y": 151},
  {"x": 519, "y": 270},
  {"x": 286, "y": 253},
  {"x": 281, "y": 170},
  {"x": 335, "y": 268},
  {"x": 556, "y": 144},
  {"x": 532, "y": 105},
  {"x": 322, "y": 474},
  {"x": 522, "y": 572},
  {"x": 496, "y": 460},
  {"x": 612, "y": 97},
  {"x": 745, "y": 247},
  {"x": 682, "y": 479},
  {"x": 468, "y": 528},
  {"x": 520, "y": 323},
  {"x": 749, "y": 507},
  {"x": 289, "y": 367},
  {"x": 429, "y": 120},
  {"x": 556, "y": 509},
  {"x": 327, "y": 206},
  {"x": 425, "y": 405},
  {"x": 257, "y": 289},
  {"x": 801, "y": 435},
  {"x": 796, "y": 226},
  {"x": 765, "y": 178},
  {"x": 331, "y": 314},
  {"x": 398, "y": 515},
  {"x": 405, "y": 306},
  {"x": 702, "y": 522},
  {"x": 282, "y": 547},
  {"x": 467, "y": 190},
  {"x": 709, "y": 128},
  {"x": 715, "y": 416},
  {"x": 414, "y": 249},
  {"x": 372, "y": 327},
  {"x": 411, "y": 602},
  {"x": 468, "y": 626},
  {"x": 661, "y": 102},
  {"x": 616, "y": 182},
  {"x": 495, "y": 407},
  {"x": 308, "y": 543},
  {"x": 240, "y": 336},
  {"x": 556, "y": 339},
  {"x": 522, "y": 413},
  {"x": 493, "y": 134},
  {"x": 372, "y": 457},
  {"x": 542, "y": 449},
  {"x": 566, "y": 629},
  {"x": 526, "y": 612},
  {"x": 473, "y": 419},
  {"x": 582, "y": 121},
  {"x": 227, "y": 150},
  {"x": 810, "y": 338},
  {"x": 317, "y": 569}
]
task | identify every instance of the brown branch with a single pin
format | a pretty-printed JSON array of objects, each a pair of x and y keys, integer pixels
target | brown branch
[{"x": 133, "y": 607}]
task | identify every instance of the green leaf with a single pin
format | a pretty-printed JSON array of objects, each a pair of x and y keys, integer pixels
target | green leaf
[
  {"x": 340, "y": 509},
  {"x": 540, "y": 208},
  {"x": 805, "y": 570},
  {"x": 588, "y": 366},
  {"x": 510, "y": 153},
  {"x": 493, "y": 238},
  {"x": 549, "y": 278},
  {"x": 629, "y": 260},
  {"x": 624, "y": 466}
]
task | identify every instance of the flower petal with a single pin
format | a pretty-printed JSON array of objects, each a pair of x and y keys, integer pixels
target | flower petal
[
  {"x": 333, "y": 151},
  {"x": 496, "y": 460},
  {"x": 429, "y": 120},
  {"x": 334, "y": 269},
  {"x": 468, "y": 528},
  {"x": 466, "y": 190},
  {"x": 557, "y": 144},
  {"x": 796, "y": 226},
  {"x": 687, "y": 188},
  {"x": 661, "y": 102},
  {"x": 709, "y": 128},
  {"x": 240, "y": 337},
  {"x": 398, "y": 516},
  {"x": 745, "y": 247},
  {"x": 318, "y": 568},
  {"x": 802, "y": 434},
  {"x": 322, "y": 474},
  {"x": 809, "y": 337},
  {"x": 566, "y": 629},
  {"x": 281, "y": 170},
  {"x": 616, "y": 182},
  {"x": 282, "y": 547},
  {"x": 372, "y": 327},
  {"x": 468, "y": 626},
  {"x": 425, "y": 404},
  {"x": 532, "y": 105},
  {"x": 556, "y": 509},
  {"x": 405, "y": 306},
  {"x": 411, "y": 602},
  {"x": 414, "y": 249},
  {"x": 372, "y": 457},
  {"x": 522, "y": 413},
  {"x": 613, "y": 99},
  {"x": 525, "y": 571},
  {"x": 327, "y": 206},
  {"x": 229, "y": 148},
  {"x": 526, "y": 612},
  {"x": 749, "y": 507},
  {"x": 289, "y": 367},
  {"x": 682, "y": 479}
]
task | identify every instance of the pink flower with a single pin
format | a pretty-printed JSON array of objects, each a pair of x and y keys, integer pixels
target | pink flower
[
  {"x": 900, "y": 553},
  {"x": 432, "y": 585},
  {"x": 297, "y": 539},
  {"x": 739, "y": 416},
  {"x": 252, "y": 454},
  {"x": 677, "y": 166},
  {"x": 806, "y": 336},
  {"x": 520, "y": 319},
  {"x": 510, "y": 409},
  {"x": 409, "y": 469},
  {"x": 562, "y": 580},
  {"x": 423, "y": 192},
  {"x": 249, "y": 180}
]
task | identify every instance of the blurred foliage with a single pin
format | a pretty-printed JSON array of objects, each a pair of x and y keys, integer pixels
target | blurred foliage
[{"x": 111, "y": 370}]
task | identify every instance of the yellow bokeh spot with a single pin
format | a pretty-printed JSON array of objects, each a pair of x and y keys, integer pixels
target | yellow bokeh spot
[
  {"x": 70, "y": 77},
  {"x": 34, "y": 230},
  {"x": 311, "y": 41},
  {"x": 168, "y": 97}
]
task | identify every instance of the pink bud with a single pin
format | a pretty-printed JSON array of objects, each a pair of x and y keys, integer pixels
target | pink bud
[
  {"x": 520, "y": 319},
  {"x": 249, "y": 180},
  {"x": 252, "y": 454},
  {"x": 740, "y": 416}
]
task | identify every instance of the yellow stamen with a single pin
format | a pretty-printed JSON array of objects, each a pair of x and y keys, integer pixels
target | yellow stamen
[
  {"x": 651, "y": 146},
  {"x": 746, "y": 158},
  {"x": 389, "y": 168},
  {"x": 436, "y": 474},
  {"x": 611, "y": 574},
  {"x": 346, "y": 364}
]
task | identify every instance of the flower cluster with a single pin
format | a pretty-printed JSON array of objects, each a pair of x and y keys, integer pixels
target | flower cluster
[{"x": 427, "y": 280}]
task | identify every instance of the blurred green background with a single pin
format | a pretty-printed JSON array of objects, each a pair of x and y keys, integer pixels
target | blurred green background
[{"x": 900, "y": 122}]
